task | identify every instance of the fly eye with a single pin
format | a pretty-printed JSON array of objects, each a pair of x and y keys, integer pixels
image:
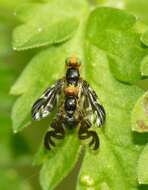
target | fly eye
[
  {"x": 79, "y": 62},
  {"x": 67, "y": 62}
]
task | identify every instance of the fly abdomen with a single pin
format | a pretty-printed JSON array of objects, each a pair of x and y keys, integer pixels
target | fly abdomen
[
  {"x": 71, "y": 122},
  {"x": 70, "y": 108},
  {"x": 70, "y": 105}
]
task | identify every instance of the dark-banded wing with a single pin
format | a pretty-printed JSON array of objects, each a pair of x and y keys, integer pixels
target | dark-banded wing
[
  {"x": 45, "y": 104},
  {"x": 92, "y": 106}
]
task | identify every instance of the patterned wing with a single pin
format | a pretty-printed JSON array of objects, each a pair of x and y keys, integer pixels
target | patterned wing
[
  {"x": 45, "y": 104},
  {"x": 94, "y": 109}
]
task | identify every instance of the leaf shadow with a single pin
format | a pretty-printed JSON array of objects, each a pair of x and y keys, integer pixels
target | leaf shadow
[
  {"x": 143, "y": 187},
  {"x": 140, "y": 138}
]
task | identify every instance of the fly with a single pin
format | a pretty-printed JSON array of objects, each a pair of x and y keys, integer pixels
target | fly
[{"x": 80, "y": 108}]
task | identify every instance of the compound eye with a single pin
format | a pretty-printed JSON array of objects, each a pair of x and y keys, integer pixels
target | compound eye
[
  {"x": 67, "y": 61},
  {"x": 79, "y": 62}
]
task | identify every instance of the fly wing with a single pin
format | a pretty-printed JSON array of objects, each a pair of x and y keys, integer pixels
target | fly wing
[
  {"x": 93, "y": 108},
  {"x": 46, "y": 103}
]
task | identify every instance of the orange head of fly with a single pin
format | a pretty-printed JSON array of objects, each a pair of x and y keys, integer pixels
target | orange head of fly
[
  {"x": 73, "y": 62},
  {"x": 71, "y": 90}
]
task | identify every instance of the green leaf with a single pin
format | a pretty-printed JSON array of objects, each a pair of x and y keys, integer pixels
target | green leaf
[
  {"x": 48, "y": 23},
  {"x": 102, "y": 44},
  {"x": 59, "y": 162},
  {"x": 143, "y": 166},
  {"x": 114, "y": 166},
  {"x": 112, "y": 31},
  {"x": 144, "y": 66},
  {"x": 118, "y": 100},
  {"x": 136, "y": 7},
  {"x": 140, "y": 114}
]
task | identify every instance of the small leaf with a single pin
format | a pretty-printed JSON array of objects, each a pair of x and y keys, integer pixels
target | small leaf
[
  {"x": 140, "y": 114},
  {"x": 143, "y": 166},
  {"x": 144, "y": 66},
  {"x": 59, "y": 163},
  {"x": 112, "y": 31},
  {"x": 48, "y": 23}
]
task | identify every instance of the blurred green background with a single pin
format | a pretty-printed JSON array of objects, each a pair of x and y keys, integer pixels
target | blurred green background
[{"x": 18, "y": 150}]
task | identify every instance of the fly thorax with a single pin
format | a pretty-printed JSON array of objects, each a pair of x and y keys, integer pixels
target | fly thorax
[{"x": 72, "y": 76}]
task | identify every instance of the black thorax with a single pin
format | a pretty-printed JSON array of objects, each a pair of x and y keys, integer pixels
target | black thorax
[{"x": 72, "y": 76}]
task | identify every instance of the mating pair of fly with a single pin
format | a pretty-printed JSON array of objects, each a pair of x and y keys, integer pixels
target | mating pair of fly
[{"x": 77, "y": 107}]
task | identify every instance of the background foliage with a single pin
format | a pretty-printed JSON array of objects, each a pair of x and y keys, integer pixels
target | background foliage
[{"x": 111, "y": 38}]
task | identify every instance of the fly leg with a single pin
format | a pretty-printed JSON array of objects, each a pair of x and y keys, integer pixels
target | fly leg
[
  {"x": 58, "y": 132},
  {"x": 84, "y": 133}
]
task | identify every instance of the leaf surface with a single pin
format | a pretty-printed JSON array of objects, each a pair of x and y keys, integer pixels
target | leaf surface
[
  {"x": 49, "y": 23},
  {"x": 59, "y": 163},
  {"x": 114, "y": 165},
  {"x": 118, "y": 155},
  {"x": 112, "y": 31}
]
